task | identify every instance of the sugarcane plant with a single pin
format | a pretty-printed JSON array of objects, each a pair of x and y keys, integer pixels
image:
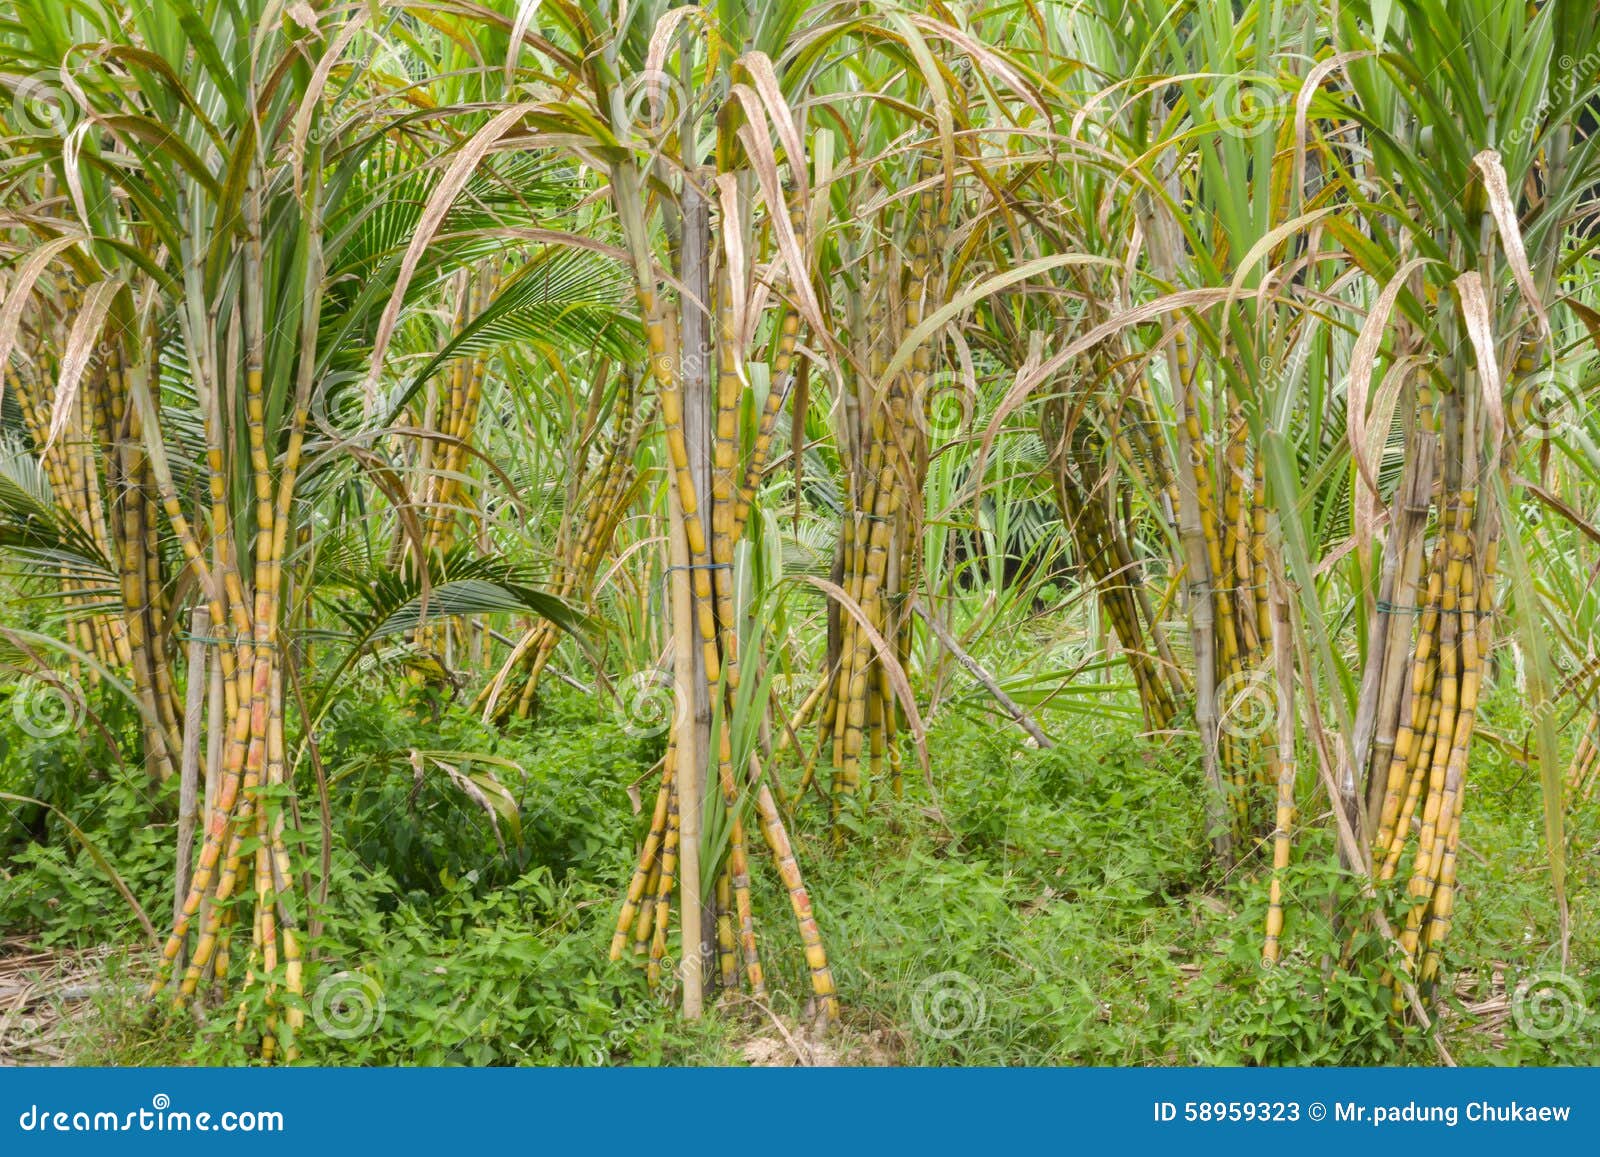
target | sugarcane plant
[
  {"x": 213, "y": 251},
  {"x": 666, "y": 91},
  {"x": 1473, "y": 292}
]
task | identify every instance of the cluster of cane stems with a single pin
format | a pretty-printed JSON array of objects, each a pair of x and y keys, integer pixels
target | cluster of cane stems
[
  {"x": 597, "y": 501},
  {"x": 713, "y": 498},
  {"x": 1097, "y": 507},
  {"x": 451, "y": 414},
  {"x": 243, "y": 870},
  {"x": 1226, "y": 544},
  {"x": 1442, "y": 606},
  {"x": 885, "y": 455},
  {"x": 90, "y": 445}
]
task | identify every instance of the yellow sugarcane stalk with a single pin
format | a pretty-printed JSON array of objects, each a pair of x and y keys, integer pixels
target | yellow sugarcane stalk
[{"x": 649, "y": 862}]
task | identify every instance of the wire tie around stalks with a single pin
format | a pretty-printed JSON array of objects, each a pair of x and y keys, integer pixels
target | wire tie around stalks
[
  {"x": 229, "y": 640},
  {"x": 1397, "y": 609}
]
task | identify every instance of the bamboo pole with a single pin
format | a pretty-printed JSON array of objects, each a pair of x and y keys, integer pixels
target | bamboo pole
[
  {"x": 189, "y": 772},
  {"x": 686, "y": 742}
]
